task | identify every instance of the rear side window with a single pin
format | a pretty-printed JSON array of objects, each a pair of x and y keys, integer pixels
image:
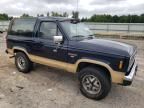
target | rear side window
[{"x": 23, "y": 27}]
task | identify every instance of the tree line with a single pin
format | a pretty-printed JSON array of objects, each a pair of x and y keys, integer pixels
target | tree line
[
  {"x": 115, "y": 18},
  {"x": 5, "y": 17},
  {"x": 93, "y": 18}
]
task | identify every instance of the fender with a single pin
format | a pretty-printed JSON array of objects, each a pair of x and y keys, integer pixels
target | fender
[
  {"x": 116, "y": 76},
  {"x": 21, "y": 49}
]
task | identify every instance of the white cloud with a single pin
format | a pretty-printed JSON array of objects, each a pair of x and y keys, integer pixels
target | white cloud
[{"x": 86, "y": 7}]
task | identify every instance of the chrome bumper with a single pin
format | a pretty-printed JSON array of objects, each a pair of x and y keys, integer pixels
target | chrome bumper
[{"x": 129, "y": 78}]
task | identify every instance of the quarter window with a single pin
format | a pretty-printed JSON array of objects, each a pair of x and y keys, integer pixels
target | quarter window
[{"x": 23, "y": 27}]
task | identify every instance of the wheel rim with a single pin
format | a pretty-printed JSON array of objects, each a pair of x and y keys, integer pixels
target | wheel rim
[
  {"x": 21, "y": 62},
  {"x": 91, "y": 84}
]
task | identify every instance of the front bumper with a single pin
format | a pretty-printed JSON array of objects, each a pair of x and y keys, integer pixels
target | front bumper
[{"x": 129, "y": 78}]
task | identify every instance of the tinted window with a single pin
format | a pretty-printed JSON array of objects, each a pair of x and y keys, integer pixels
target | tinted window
[
  {"x": 48, "y": 30},
  {"x": 23, "y": 27}
]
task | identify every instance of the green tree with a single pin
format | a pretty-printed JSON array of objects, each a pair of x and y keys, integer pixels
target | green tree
[
  {"x": 25, "y": 15},
  {"x": 65, "y": 14},
  {"x": 115, "y": 19},
  {"x": 48, "y": 14},
  {"x": 75, "y": 14},
  {"x": 41, "y": 15},
  {"x": 84, "y": 19},
  {"x": 56, "y": 14},
  {"x": 142, "y": 18},
  {"x": 4, "y": 16},
  {"x": 135, "y": 19}
]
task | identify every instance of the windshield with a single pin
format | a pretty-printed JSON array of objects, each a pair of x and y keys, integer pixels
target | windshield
[{"x": 77, "y": 31}]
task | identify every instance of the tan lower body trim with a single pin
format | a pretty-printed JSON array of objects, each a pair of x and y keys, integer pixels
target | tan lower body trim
[
  {"x": 53, "y": 63},
  {"x": 117, "y": 77}
]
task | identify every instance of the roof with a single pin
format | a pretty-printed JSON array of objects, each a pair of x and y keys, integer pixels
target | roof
[
  {"x": 51, "y": 18},
  {"x": 55, "y": 18}
]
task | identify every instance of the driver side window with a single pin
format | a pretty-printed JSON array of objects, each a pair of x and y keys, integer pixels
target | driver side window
[{"x": 48, "y": 30}]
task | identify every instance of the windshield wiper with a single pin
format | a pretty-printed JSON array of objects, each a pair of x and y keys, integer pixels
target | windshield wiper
[
  {"x": 77, "y": 36},
  {"x": 91, "y": 36}
]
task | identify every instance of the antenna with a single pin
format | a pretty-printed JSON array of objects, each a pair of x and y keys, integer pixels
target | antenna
[
  {"x": 77, "y": 5},
  {"x": 77, "y": 8},
  {"x": 77, "y": 16}
]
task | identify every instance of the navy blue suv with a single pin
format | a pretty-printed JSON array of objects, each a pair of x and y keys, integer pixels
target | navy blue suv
[{"x": 68, "y": 44}]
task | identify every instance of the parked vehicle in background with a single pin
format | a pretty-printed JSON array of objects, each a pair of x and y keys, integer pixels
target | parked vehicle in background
[{"x": 69, "y": 45}]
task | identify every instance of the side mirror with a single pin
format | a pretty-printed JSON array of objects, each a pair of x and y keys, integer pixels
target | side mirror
[{"x": 58, "y": 39}]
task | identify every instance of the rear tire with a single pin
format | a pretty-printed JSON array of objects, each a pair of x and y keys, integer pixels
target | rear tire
[
  {"x": 94, "y": 83},
  {"x": 23, "y": 63}
]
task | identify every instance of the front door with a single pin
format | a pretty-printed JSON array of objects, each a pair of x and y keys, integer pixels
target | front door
[{"x": 45, "y": 45}]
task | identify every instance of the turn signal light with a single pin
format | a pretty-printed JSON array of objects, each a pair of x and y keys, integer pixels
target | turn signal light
[{"x": 120, "y": 64}]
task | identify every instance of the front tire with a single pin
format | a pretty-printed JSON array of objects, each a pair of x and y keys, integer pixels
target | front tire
[
  {"x": 94, "y": 83},
  {"x": 23, "y": 63}
]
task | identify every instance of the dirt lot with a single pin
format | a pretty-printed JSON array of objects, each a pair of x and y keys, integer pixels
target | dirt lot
[{"x": 45, "y": 87}]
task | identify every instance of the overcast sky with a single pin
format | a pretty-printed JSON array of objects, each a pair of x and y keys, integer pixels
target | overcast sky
[{"x": 86, "y": 7}]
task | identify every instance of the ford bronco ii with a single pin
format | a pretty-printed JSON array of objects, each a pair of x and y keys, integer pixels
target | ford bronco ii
[{"x": 68, "y": 44}]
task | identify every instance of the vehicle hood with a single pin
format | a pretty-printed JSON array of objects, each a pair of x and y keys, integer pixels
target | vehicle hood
[{"x": 106, "y": 46}]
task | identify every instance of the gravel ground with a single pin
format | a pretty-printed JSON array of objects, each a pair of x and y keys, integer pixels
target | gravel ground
[{"x": 45, "y": 87}]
